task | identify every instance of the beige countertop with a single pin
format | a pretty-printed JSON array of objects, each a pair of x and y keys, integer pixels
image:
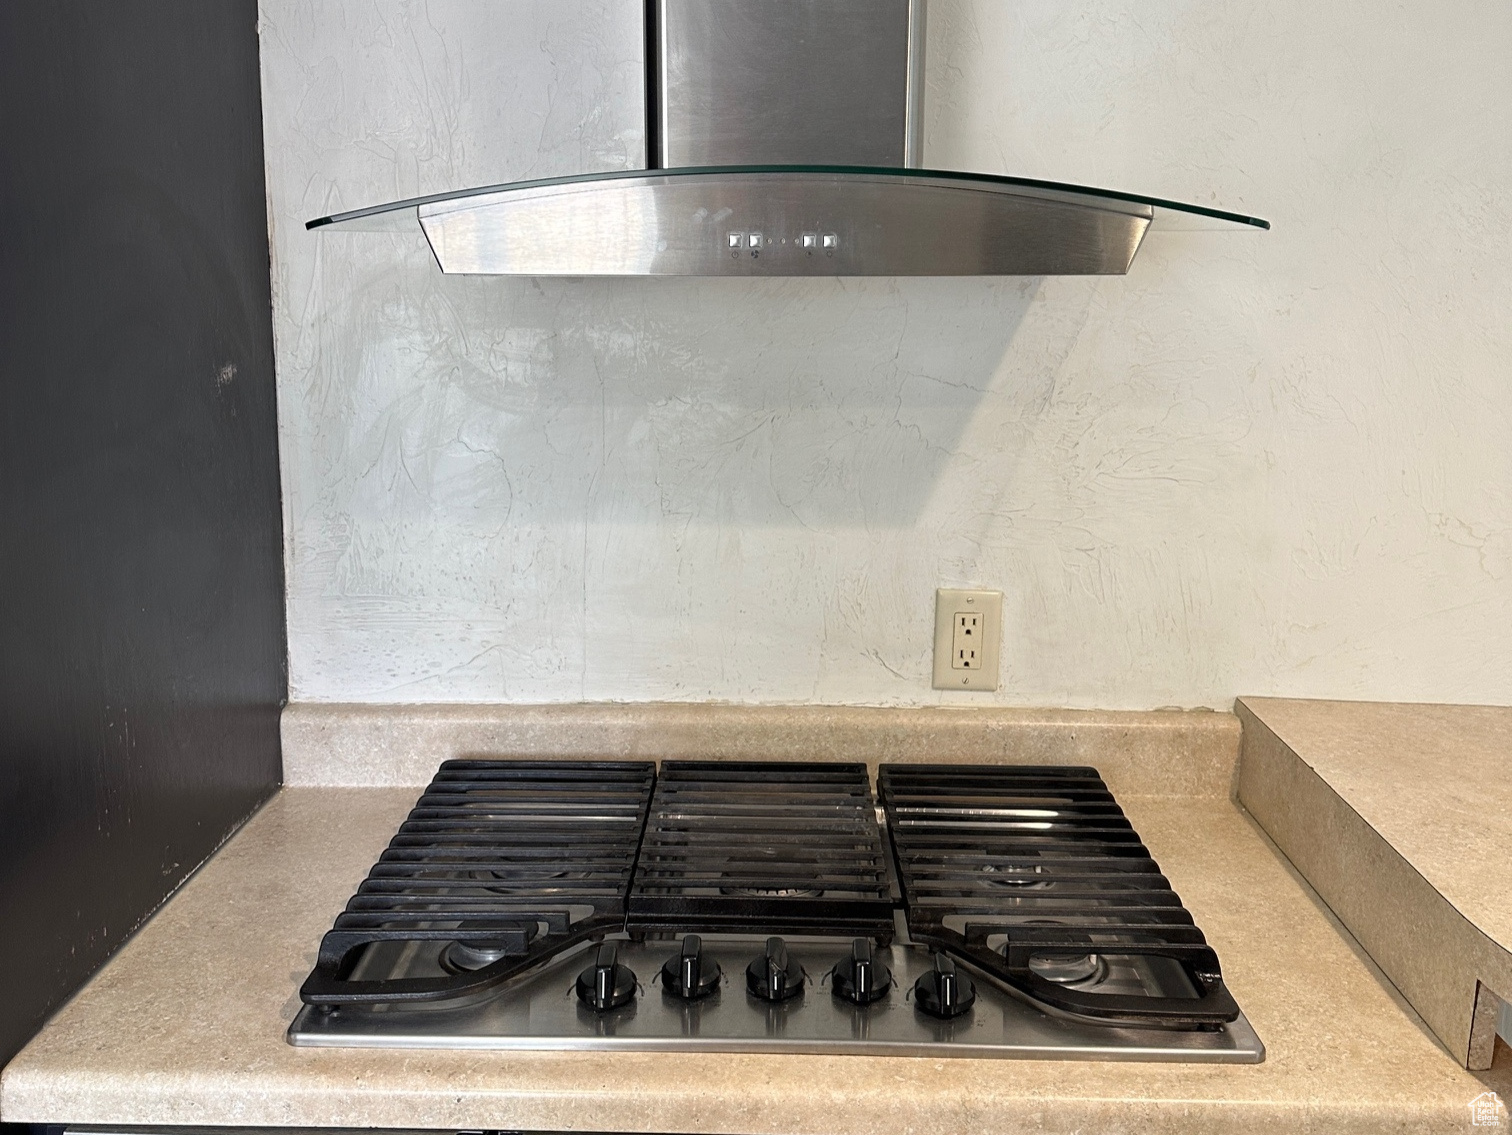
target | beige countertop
[
  {"x": 1401, "y": 817},
  {"x": 1144, "y": 753},
  {"x": 186, "y": 1024},
  {"x": 1434, "y": 780}
]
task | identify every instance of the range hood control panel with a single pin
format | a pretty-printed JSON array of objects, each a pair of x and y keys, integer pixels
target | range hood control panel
[{"x": 753, "y": 243}]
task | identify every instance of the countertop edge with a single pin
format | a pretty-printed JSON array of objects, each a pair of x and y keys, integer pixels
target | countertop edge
[{"x": 1437, "y": 958}]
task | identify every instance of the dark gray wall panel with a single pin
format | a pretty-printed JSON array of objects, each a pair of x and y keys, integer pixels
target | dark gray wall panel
[{"x": 141, "y": 586}]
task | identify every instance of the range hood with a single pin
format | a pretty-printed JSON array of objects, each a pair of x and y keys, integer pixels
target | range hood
[{"x": 783, "y": 139}]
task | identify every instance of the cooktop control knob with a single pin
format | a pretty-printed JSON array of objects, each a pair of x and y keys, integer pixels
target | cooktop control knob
[
  {"x": 688, "y": 974},
  {"x": 775, "y": 976},
  {"x": 943, "y": 992},
  {"x": 606, "y": 984},
  {"x": 860, "y": 978}
]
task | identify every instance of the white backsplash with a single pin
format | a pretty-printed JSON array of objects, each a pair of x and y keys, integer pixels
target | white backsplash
[{"x": 1274, "y": 463}]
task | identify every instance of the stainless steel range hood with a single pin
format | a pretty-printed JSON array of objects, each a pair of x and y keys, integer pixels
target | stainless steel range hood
[{"x": 783, "y": 139}]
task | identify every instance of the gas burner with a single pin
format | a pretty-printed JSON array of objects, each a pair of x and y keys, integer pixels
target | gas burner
[
  {"x": 774, "y": 892},
  {"x": 1067, "y": 969},
  {"x": 783, "y": 863},
  {"x": 950, "y": 823},
  {"x": 768, "y": 847},
  {"x": 467, "y": 955},
  {"x": 503, "y": 881},
  {"x": 1016, "y": 876},
  {"x": 1077, "y": 969}
]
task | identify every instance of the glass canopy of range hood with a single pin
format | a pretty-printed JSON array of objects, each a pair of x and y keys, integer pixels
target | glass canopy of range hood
[{"x": 785, "y": 221}]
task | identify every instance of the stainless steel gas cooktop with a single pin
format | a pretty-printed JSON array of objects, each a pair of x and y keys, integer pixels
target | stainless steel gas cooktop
[{"x": 991, "y": 910}]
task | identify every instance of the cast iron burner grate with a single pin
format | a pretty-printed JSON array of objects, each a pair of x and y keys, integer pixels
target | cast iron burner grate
[
  {"x": 1034, "y": 875},
  {"x": 501, "y": 865},
  {"x": 785, "y": 848}
]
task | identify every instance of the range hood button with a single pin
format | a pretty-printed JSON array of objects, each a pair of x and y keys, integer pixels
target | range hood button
[
  {"x": 753, "y": 240},
  {"x": 737, "y": 239},
  {"x": 810, "y": 240},
  {"x": 830, "y": 240}
]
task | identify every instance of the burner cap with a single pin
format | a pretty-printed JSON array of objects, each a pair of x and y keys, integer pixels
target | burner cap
[
  {"x": 504, "y": 881},
  {"x": 1015, "y": 875},
  {"x": 469, "y": 954},
  {"x": 464, "y": 957},
  {"x": 1069, "y": 969}
]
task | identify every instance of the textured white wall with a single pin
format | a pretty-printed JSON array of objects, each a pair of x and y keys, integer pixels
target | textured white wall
[{"x": 1273, "y": 463}]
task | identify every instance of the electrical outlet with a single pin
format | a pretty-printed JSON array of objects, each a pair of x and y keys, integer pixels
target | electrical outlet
[{"x": 968, "y": 635}]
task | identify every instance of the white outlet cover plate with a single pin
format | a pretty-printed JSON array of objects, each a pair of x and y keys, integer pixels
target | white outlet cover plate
[{"x": 948, "y": 603}]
